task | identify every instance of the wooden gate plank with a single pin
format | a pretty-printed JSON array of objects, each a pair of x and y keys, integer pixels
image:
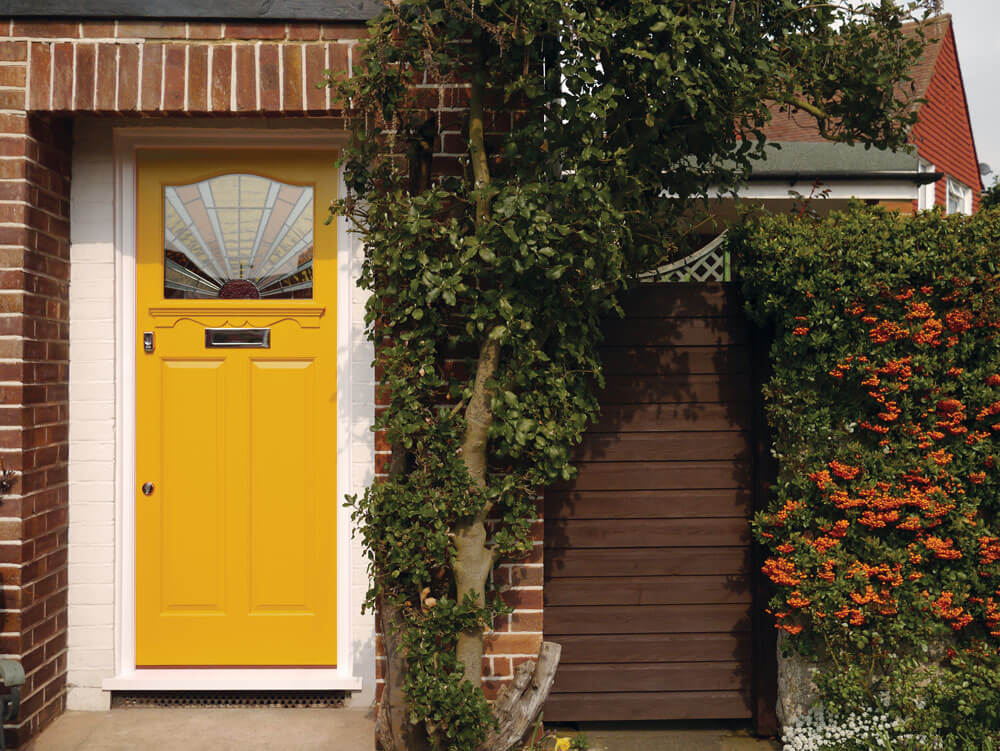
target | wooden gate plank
[
  {"x": 618, "y": 360},
  {"x": 688, "y": 418},
  {"x": 645, "y": 561},
  {"x": 646, "y": 504},
  {"x": 646, "y": 619},
  {"x": 653, "y": 676},
  {"x": 639, "y": 648},
  {"x": 664, "y": 447},
  {"x": 646, "y": 533},
  {"x": 671, "y": 389},
  {"x": 682, "y": 299},
  {"x": 658, "y": 475},
  {"x": 678, "y": 332},
  {"x": 666, "y": 705},
  {"x": 647, "y": 590}
]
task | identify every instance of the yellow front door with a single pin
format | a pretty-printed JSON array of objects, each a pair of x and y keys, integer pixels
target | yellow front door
[{"x": 236, "y": 409}]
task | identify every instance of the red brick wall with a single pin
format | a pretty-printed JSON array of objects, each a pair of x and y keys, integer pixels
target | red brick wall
[
  {"x": 174, "y": 68},
  {"x": 943, "y": 135},
  {"x": 34, "y": 330}
]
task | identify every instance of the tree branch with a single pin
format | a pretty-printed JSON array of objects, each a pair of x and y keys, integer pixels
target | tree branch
[
  {"x": 477, "y": 146},
  {"x": 807, "y": 107}
]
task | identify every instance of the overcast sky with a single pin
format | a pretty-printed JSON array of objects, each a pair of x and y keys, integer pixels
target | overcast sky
[{"x": 977, "y": 34}]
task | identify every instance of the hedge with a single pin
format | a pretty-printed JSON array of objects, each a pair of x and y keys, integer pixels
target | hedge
[{"x": 882, "y": 538}]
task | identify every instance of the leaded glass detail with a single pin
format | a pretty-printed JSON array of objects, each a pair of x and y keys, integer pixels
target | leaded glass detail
[{"x": 238, "y": 236}]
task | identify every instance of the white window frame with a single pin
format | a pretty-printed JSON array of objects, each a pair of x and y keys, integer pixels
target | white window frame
[
  {"x": 926, "y": 192},
  {"x": 963, "y": 197}
]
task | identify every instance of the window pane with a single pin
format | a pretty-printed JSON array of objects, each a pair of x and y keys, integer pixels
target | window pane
[
  {"x": 959, "y": 197},
  {"x": 238, "y": 237}
]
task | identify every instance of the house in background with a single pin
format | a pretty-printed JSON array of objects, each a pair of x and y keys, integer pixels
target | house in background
[
  {"x": 829, "y": 176},
  {"x": 942, "y": 139}
]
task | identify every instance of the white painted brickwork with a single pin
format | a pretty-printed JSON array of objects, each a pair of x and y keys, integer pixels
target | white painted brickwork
[
  {"x": 362, "y": 388},
  {"x": 92, "y": 433},
  {"x": 91, "y": 617}
]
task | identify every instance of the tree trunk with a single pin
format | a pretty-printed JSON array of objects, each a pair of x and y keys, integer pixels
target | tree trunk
[
  {"x": 393, "y": 728},
  {"x": 473, "y": 559},
  {"x": 518, "y": 705}
]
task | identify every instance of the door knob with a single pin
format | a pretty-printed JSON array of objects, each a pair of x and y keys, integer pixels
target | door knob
[{"x": 147, "y": 488}]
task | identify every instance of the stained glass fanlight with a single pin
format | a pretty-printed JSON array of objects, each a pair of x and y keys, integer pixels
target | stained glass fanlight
[{"x": 238, "y": 237}]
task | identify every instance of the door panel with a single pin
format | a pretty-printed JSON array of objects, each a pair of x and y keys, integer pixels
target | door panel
[
  {"x": 193, "y": 446},
  {"x": 236, "y": 543},
  {"x": 282, "y": 508}
]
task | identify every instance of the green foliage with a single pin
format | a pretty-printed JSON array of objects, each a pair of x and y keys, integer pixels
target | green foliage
[
  {"x": 594, "y": 112},
  {"x": 884, "y": 400},
  {"x": 991, "y": 196}
]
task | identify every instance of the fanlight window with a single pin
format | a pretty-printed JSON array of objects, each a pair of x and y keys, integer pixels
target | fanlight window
[{"x": 238, "y": 237}]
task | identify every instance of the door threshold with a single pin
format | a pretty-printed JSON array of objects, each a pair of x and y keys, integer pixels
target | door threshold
[
  {"x": 230, "y": 699},
  {"x": 222, "y": 679}
]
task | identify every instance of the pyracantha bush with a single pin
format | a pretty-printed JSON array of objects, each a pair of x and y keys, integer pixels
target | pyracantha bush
[{"x": 882, "y": 538}]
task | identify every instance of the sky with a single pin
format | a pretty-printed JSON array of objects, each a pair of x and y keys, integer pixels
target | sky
[{"x": 977, "y": 36}]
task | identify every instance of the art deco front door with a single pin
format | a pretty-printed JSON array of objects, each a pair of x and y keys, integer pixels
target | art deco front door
[{"x": 236, "y": 409}]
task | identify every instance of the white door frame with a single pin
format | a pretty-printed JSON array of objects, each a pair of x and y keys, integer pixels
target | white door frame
[{"x": 127, "y": 141}]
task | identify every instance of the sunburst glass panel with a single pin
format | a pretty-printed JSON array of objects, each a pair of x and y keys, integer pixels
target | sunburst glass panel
[{"x": 238, "y": 237}]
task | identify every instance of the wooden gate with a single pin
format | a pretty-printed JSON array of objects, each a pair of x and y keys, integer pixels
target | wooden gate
[{"x": 648, "y": 581}]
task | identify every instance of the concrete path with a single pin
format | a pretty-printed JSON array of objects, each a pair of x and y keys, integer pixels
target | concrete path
[{"x": 205, "y": 729}]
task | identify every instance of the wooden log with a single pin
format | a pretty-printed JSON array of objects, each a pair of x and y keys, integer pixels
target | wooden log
[{"x": 519, "y": 704}]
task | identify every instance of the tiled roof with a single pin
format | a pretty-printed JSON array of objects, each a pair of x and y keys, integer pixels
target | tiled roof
[{"x": 832, "y": 159}]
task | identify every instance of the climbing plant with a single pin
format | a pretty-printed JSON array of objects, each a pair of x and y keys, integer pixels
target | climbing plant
[
  {"x": 587, "y": 129},
  {"x": 883, "y": 533}
]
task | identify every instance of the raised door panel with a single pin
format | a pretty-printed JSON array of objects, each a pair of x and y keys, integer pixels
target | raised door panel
[
  {"x": 192, "y": 502},
  {"x": 283, "y": 504}
]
